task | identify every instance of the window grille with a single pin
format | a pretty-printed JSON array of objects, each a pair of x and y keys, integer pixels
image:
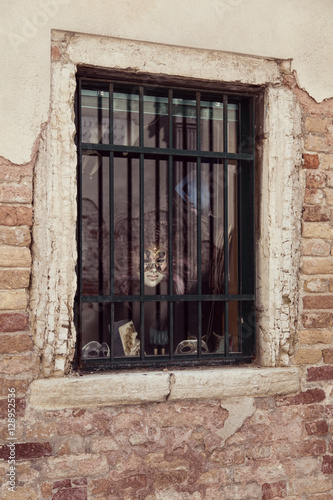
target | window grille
[{"x": 165, "y": 225}]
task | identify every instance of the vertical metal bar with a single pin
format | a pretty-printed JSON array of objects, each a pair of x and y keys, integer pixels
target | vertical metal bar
[
  {"x": 79, "y": 221},
  {"x": 253, "y": 123},
  {"x": 226, "y": 222},
  {"x": 240, "y": 224},
  {"x": 100, "y": 219},
  {"x": 111, "y": 218},
  {"x": 142, "y": 207},
  {"x": 170, "y": 225},
  {"x": 199, "y": 274}
]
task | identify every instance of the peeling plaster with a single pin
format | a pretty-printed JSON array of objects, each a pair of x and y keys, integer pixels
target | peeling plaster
[{"x": 239, "y": 410}]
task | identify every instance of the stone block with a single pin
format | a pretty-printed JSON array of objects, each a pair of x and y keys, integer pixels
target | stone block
[
  {"x": 317, "y": 143},
  {"x": 329, "y": 179},
  {"x": 20, "y": 405},
  {"x": 11, "y": 256},
  {"x": 13, "y": 299}
]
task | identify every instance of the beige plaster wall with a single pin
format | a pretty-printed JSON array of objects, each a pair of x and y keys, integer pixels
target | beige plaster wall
[{"x": 296, "y": 29}]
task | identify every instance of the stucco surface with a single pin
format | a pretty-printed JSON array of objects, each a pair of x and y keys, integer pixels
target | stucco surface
[{"x": 297, "y": 29}]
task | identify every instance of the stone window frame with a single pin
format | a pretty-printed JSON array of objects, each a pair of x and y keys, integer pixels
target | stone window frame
[{"x": 278, "y": 223}]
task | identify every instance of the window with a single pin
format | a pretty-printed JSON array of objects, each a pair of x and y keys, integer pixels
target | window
[{"x": 166, "y": 268}]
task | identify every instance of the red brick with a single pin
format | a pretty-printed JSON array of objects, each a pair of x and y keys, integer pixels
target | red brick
[
  {"x": 46, "y": 490},
  {"x": 25, "y": 451},
  {"x": 328, "y": 356},
  {"x": 329, "y": 411},
  {"x": 79, "y": 482},
  {"x": 320, "y": 373},
  {"x": 327, "y": 465},
  {"x": 307, "y": 397},
  {"x": 15, "y": 343},
  {"x": 13, "y": 322},
  {"x": 317, "y": 320},
  {"x": 313, "y": 196},
  {"x": 15, "y": 193},
  {"x": 65, "y": 483},
  {"x": 313, "y": 447},
  {"x": 318, "y": 302},
  {"x": 20, "y": 386},
  {"x": 315, "y": 180},
  {"x": 71, "y": 494},
  {"x": 319, "y": 428},
  {"x": 274, "y": 490},
  {"x": 15, "y": 216},
  {"x": 316, "y": 213},
  {"x": 55, "y": 53},
  {"x": 310, "y": 161},
  {"x": 19, "y": 406}
]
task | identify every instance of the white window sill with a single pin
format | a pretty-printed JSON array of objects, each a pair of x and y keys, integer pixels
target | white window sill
[{"x": 124, "y": 388}]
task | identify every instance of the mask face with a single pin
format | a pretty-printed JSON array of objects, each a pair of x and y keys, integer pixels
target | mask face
[{"x": 155, "y": 265}]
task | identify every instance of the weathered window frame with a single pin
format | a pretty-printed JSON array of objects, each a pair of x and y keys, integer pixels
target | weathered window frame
[{"x": 278, "y": 188}]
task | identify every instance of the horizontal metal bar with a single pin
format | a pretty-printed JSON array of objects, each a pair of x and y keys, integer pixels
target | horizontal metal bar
[
  {"x": 165, "y": 298},
  {"x": 88, "y": 146}
]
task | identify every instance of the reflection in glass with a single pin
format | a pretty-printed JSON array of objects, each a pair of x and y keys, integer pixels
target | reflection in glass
[
  {"x": 184, "y": 123},
  {"x": 95, "y": 116},
  {"x": 95, "y": 225},
  {"x": 126, "y": 117}
]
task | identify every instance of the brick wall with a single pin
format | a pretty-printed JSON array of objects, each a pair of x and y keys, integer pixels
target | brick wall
[{"x": 175, "y": 450}]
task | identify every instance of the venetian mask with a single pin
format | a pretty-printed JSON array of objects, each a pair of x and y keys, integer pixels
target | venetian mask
[{"x": 155, "y": 265}]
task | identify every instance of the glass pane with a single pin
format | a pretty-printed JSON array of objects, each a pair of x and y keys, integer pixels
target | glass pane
[
  {"x": 185, "y": 328},
  {"x": 126, "y": 116},
  {"x": 233, "y": 217},
  {"x": 185, "y": 226},
  {"x": 95, "y": 331},
  {"x": 232, "y": 128},
  {"x": 126, "y": 225},
  {"x": 184, "y": 123},
  {"x": 234, "y": 327},
  {"x": 156, "y": 122},
  {"x": 213, "y": 317},
  {"x": 95, "y": 116},
  {"x": 211, "y": 125},
  {"x": 212, "y": 235},
  {"x": 95, "y": 225}
]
